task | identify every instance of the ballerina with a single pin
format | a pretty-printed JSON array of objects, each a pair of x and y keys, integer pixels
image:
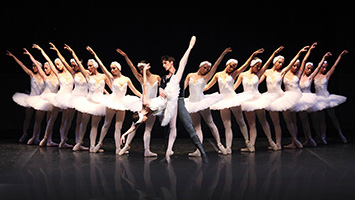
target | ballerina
[
  {"x": 231, "y": 101},
  {"x": 333, "y": 100},
  {"x": 37, "y": 86},
  {"x": 255, "y": 107},
  {"x": 153, "y": 81},
  {"x": 280, "y": 100},
  {"x": 291, "y": 81},
  {"x": 118, "y": 102},
  {"x": 197, "y": 104},
  {"x": 40, "y": 102},
  {"x": 89, "y": 105},
  {"x": 305, "y": 85}
]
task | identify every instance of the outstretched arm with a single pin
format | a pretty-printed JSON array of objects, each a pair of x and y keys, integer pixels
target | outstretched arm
[
  {"x": 40, "y": 70},
  {"x": 209, "y": 75},
  {"x": 51, "y": 65},
  {"x": 66, "y": 65},
  {"x": 246, "y": 64},
  {"x": 268, "y": 62},
  {"x": 130, "y": 64},
  {"x": 211, "y": 83},
  {"x": 184, "y": 58},
  {"x": 27, "y": 71},
  {"x": 331, "y": 71},
  {"x": 285, "y": 70},
  {"x": 303, "y": 64},
  {"x": 81, "y": 67},
  {"x": 130, "y": 130},
  {"x": 315, "y": 72},
  {"x": 238, "y": 82},
  {"x": 102, "y": 66}
]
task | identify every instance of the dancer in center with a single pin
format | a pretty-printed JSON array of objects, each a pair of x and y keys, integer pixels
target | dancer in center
[{"x": 231, "y": 101}]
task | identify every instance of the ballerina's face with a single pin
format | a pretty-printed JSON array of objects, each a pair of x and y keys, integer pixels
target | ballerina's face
[
  {"x": 256, "y": 67},
  {"x": 114, "y": 69},
  {"x": 279, "y": 63},
  {"x": 74, "y": 66},
  {"x": 47, "y": 69},
  {"x": 230, "y": 67},
  {"x": 34, "y": 68},
  {"x": 91, "y": 67},
  {"x": 308, "y": 70},
  {"x": 324, "y": 67},
  {"x": 167, "y": 64},
  {"x": 140, "y": 69},
  {"x": 204, "y": 69},
  {"x": 59, "y": 65},
  {"x": 295, "y": 67}
]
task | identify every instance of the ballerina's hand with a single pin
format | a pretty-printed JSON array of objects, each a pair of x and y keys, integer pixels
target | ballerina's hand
[
  {"x": 26, "y": 51},
  {"x": 279, "y": 49},
  {"x": 53, "y": 47},
  {"x": 314, "y": 45},
  {"x": 328, "y": 54},
  {"x": 35, "y": 46},
  {"x": 8, "y": 53},
  {"x": 192, "y": 41},
  {"x": 146, "y": 67},
  {"x": 344, "y": 52},
  {"x": 123, "y": 140},
  {"x": 121, "y": 52},
  {"x": 90, "y": 50},
  {"x": 67, "y": 47},
  {"x": 259, "y": 51},
  {"x": 304, "y": 49},
  {"x": 227, "y": 50}
]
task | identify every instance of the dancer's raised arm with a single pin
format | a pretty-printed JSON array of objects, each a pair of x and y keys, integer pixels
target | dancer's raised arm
[
  {"x": 54, "y": 69},
  {"x": 39, "y": 68},
  {"x": 331, "y": 71},
  {"x": 315, "y": 72},
  {"x": 246, "y": 64},
  {"x": 102, "y": 66},
  {"x": 209, "y": 75},
  {"x": 285, "y": 70},
  {"x": 268, "y": 62},
  {"x": 61, "y": 57},
  {"x": 131, "y": 65},
  {"x": 303, "y": 64},
  {"x": 81, "y": 67},
  {"x": 27, "y": 71}
]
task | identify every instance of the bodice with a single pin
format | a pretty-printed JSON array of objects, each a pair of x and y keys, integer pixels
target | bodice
[
  {"x": 66, "y": 86},
  {"x": 196, "y": 89},
  {"x": 36, "y": 87},
  {"x": 96, "y": 88},
  {"x": 273, "y": 83},
  {"x": 226, "y": 86},
  {"x": 118, "y": 90},
  {"x": 152, "y": 90},
  {"x": 305, "y": 86},
  {"x": 321, "y": 86},
  {"x": 81, "y": 86},
  {"x": 292, "y": 84},
  {"x": 51, "y": 87},
  {"x": 251, "y": 84}
]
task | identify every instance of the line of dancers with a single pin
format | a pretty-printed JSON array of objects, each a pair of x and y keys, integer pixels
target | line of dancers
[{"x": 68, "y": 87}]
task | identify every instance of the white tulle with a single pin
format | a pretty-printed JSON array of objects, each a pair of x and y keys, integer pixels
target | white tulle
[
  {"x": 172, "y": 90},
  {"x": 39, "y": 102},
  {"x": 331, "y": 100},
  {"x": 36, "y": 89},
  {"x": 20, "y": 99}
]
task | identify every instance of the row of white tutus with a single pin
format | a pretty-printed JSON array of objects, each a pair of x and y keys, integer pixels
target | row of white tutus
[
  {"x": 126, "y": 102},
  {"x": 88, "y": 105},
  {"x": 20, "y": 99},
  {"x": 204, "y": 103},
  {"x": 39, "y": 103}
]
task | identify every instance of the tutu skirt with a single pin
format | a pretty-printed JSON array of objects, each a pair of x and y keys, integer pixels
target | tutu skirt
[
  {"x": 172, "y": 90},
  {"x": 306, "y": 102},
  {"x": 20, "y": 99},
  {"x": 63, "y": 100},
  {"x": 126, "y": 102},
  {"x": 258, "y": 102},
  {"x": 232, "y": 100},
  {"x": 88, "y": 105},
  {"x": 38, "y": 103},
  {"x": 284, "y": 102},
  {"x": 324, "y": 102},
  {"x": 206, "y": 102}
]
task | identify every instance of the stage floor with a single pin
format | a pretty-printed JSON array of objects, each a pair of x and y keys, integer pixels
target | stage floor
[{"x": 31, "y": 172}]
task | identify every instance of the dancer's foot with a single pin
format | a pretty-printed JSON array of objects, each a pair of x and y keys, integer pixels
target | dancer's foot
[
  {"x": 279, "y": 147},
  {"x": 31, "y": 140},
  {"x": 222, "y": 149},
  {"x": 309, "y": 143},
  {"x": 51, "y": 144},
  {"x": 290, "y": 146},
  {"x": 82, "y": 148},
  {"x": 23, "y": 138},
  {"x": 148, "y": 153},
  {"x": 229, "y": 150},
  {"x": 91, "y": 150},
  {"x": 97, "y": 147},
  {"x": 343, "y": 138},
  {"x": 298, "y": 144},
  {"x": 205, "y": 158},
  {"x": 273, "y": 145},
  {"x": 77, "y": 147},
  {"x": 43, "y": 142},
  {"x": 123, "y": 150},
  {"x": 169, "y": 153},
  {"x": 65, "y": 145},
  {"x": 250, "y": 147},
  {"x": 323, "y": 140},
  {"x": 195, "y": 153}
]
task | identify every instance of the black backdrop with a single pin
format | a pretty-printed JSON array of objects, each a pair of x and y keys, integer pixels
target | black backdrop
[{"x": 149, "y": 30}]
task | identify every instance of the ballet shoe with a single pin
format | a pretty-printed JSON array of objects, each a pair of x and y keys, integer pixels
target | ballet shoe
[
  {"x": 30, "y": 141},
  {"x": 309, "y": 143},
  {"x": 279, "y": 147},
  {"x": 22, "y": 138},
  {"x": 97, "y": 147},
  {"x": 77, "y": 147},
  {"x": 195, "y": 154},
  {"x": 91, "y": 150},
  {"x": 43, "y": 142},
  {"x": 222, "y": 149},
  {"x": 229, "y": 150},
  {"x": 273, "y": 145},
  {"x": 205, "y": 158},
  {"x": 82, "y": 148},
  {"x": 65, "y": 145},
  {"x": 123, "y": 150},
  {"x": 148, "y": 153},
  {"x": 250, "y": 149},
  {"x": 169, "y": 153},
  {"x": 51, "y": 144},
  {"x": 290, "y": 146},
  {"x": 298, "y": 144},
  {"x": 323, "y": 140},
  {"x": 249, "y": 146},
  {"x": 343, "y": 138}
]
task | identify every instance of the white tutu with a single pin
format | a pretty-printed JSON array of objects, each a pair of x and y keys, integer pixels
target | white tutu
[
  {"x": 87, "y": 105},
  {"x": 172, "y": 90},
  {"x": 232, "y": 100},
  {"x": 204, "y": 103},
  {"x": 258, "y": 102},
  {"x": 63, "y": 100},
  {"x": 306, "y": 102},
  {"x": 285, "y": 102},
  {"x": 20, "y": 99},
  {"x": 331, "y": 100},
  {"x": 126, "y": 102},
  {"x": 38, "y": 103},
  {"x": 50, "y": 97}
]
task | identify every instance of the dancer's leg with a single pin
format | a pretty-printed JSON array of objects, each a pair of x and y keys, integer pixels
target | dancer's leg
[
  {"x": 276, "y": 121},
  {"x": 226, "y": 119},
  {"x": 323, "y": 126},
  {"x": 266, "y": 128},
  {"x": 26, "y": 124},
  {"x": 172, "y": 134},
  {"x": 67, "y": 124},
  {"x": 196, "y": 122},
  {"x": 306, "y": 129},
  {"x": 95, "y": 120},
  {"x": 238, "y": 115},
  {"x": 77, "y": 125},
  {"x": 47, "y": 139},
  {"x": 146, "y": 136},
  {"x": 334, "y": 119},
  {"x": 120, "y": 115},
  {"x": 290, "y": 118},
  {"x": 37, "y": 127},
  {"x": 108, "y": 119},
  {"x": 83, "y": 125}
]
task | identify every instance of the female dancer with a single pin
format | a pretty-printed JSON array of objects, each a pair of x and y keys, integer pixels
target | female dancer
[
  {"x": 89, "y": 105},
  {"x": 256, "y": 106},
  {"x": 231, "y": 101},
  {"x": 40, "y": 103},
  {"x": 37, "y": 86},
  {"x": 116, "y": 103},
  {"x": 321, "y": 86},
  {"x": 152, "y": 90},
  {"x": 305, "y": 85},
  {"x": 60, "y": 99},
  {"x": 281, "y": 100},
  {"x": 197, "y": 104},
  {"x": 307, "y": 100}
]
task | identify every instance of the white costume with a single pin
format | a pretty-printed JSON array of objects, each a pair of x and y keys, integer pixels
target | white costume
[
  {"x": 36, "y": 89},
  {"x": 251, "y": 88},
  {"x": 90, "y": 103},
  {"x": 230, "y": 98},
  {"x": 332, "y": 100},
  {"x": 80, "y": 89},
  {"x": 320, "y": 104},
  {"x": 280, "y": 100},
  {"x": 197, "y": 101},
  {"x": 118, "y": 100},
  {"x": 39, "y": 102},
  {"x": 306, "y": 101},
  {"x": 62, "y": 97}
]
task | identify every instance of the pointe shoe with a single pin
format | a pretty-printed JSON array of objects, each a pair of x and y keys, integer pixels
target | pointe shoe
[
  {"x": 43, "y": 142},
  {"x": 91, "y": 150},
  {"x": 279, "y": 147},
  {"x": 312, "y": 142},
  {"x": 343, "y": 138},
  {"x": 250, "y": 149},
  {"x": 148, "y": 153},
  {"x": 51, "y": 144},
  {"x": 323, "y": 141},
  {"x": 229, "y": 151},
  {"x": 222, "y": 149},
  {"x": 97, "y": 147},
  {"x": 31, "y": 140},
  {"x": 169, "y": 153},
  {"x": 123, "y": 150},
  {"x": 22, "y": 138},
  {"x": 77, "y": 147},
  {"x": 273, "y": 145},
  {"x": 65, "y": 146},
  {"x": 249, "y": 146},
  {"x": 290, "y": 146},
  {"x": 195, "y": 154},
  {"x": 298, "y": 144}
]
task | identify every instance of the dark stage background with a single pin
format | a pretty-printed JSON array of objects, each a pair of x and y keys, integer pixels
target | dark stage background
[{"x": 149, "y": 30}]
